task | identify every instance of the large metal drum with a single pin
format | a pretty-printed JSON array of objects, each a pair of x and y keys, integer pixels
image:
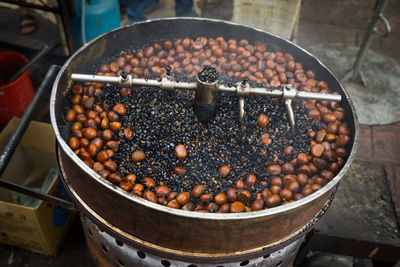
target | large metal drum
[{"x": 189, "y": 233}]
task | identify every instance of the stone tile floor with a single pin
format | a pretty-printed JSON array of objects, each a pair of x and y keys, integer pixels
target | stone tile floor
[
  {"x": 323, "y": 22},
  {"x": 381, "y": 144}
]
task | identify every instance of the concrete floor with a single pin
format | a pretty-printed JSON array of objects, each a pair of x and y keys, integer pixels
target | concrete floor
[
  {"x": 380, "y": 73},
  {"x": 321, "y": 22}
]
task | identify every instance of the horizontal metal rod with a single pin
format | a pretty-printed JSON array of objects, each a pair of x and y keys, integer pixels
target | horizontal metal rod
[
  {"x": 167, "y": 84},
  {"x": 265, "y": 91},
  {"x": 227, "y": 89},
  {"x": 279, "y": 93},
  {"x": 130, "y": 82},
  {"x": 185, "y": 85},
  {"x": 95, "y": 78},
  {"x": 318, "y": 96},
  {"x": 143, "y": 82},
  {"x": 37, "y": 194}
]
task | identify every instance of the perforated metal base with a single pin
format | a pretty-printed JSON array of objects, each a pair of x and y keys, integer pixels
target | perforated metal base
[{"x": 108, "y": 251}]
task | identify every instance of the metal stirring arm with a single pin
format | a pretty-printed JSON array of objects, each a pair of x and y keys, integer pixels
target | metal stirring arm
[
  {"x": 288, "y": 94},
  {"x": 205, "y": 93},
  {"x": 127, "y": 81}
]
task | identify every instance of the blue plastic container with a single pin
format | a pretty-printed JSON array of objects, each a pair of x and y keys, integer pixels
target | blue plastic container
[{"x": 100, "y": 16}]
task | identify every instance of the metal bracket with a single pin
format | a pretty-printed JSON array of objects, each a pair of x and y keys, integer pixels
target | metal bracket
[
  {"x": 242, "y": 91},
  {"x": 387, "y": 27},
  {"x": 168, "y": 83},
  {"x": 289, "y": 92},
  {"x": 355, "y": 74}
]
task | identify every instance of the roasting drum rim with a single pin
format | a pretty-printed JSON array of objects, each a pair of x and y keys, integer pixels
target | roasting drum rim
[
  {"x": 171, "y": 253},
  {"x": 178, "y": 212}
]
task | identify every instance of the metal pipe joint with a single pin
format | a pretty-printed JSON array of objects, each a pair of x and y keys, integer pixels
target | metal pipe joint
[{"x": 206, "y": 92}]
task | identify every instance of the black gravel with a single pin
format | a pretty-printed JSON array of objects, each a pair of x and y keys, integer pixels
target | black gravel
[
  {"x": 160, "y": 120},
  {"x": 208, "y": 75}
]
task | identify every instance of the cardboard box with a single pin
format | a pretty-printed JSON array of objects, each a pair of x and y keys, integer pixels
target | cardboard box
[
  {"x": 42, "y": 227},
  {"x": 275, "y": 16}
]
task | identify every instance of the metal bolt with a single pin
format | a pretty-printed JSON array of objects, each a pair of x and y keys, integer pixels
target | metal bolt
[
  {"x": 245, "y": 79},
  {"x": 168, "y": 69},
  {"x": 124, "y": 75}
]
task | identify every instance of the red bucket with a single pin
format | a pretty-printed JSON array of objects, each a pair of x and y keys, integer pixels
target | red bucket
[{"x": 15, "y": 96}]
